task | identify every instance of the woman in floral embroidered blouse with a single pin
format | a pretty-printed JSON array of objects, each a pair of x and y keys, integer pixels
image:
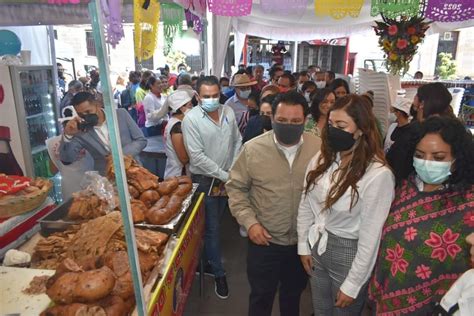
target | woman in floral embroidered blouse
[
  {"x": 423, "y": 249},
  {"x": 322, "y": 101}
]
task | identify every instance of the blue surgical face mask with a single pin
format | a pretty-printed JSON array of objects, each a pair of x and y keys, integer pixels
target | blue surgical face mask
[
  {"x": 225, "y": 89},
  {"x": 432, "y": 172},
  {"x": 210, "y": 105},
  {"x": 244, "y": 94}
]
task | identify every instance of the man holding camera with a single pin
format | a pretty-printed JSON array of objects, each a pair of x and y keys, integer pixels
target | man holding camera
[{"x": 88, "y": 130}]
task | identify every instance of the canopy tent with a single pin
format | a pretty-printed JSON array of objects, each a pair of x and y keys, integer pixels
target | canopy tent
[{"x": 289, "y": 27}]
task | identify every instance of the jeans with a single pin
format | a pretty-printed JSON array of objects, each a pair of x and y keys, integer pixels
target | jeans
[
  {"x": 271, "y": 268},
  {"x": 214, "y": 209}
]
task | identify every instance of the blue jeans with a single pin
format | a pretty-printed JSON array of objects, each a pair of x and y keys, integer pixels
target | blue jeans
[{"x": 214, "y": 209}]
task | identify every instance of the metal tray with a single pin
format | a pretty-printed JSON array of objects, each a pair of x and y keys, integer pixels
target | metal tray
[
  {"x": 175, "y": 224},
  {"x": 57, "y": 220}
]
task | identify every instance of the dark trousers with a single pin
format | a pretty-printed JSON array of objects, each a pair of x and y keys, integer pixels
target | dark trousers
[{"x": 272, "y": 268}]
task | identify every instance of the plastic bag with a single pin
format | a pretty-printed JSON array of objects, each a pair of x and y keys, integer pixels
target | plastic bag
[{"x": 96, "y": 184}]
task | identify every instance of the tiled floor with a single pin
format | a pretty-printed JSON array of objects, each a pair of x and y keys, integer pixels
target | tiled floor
[{"x": 234, "y": 249}]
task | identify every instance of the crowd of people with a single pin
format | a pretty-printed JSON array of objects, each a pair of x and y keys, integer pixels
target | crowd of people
[{"x": 323, "y": 193}]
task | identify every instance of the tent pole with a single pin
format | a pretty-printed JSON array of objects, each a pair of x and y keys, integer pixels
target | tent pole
[
  {"x": 295, "y": 56},
  {"x": 117, "y": 154}
]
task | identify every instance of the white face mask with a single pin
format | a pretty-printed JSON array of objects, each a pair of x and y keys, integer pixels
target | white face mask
[
  {"x": 321, "y": 84},
  {"x": 307, "y": 96}
]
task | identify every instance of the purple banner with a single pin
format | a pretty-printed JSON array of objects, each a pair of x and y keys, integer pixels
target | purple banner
[{"x": 450, "y": 10}]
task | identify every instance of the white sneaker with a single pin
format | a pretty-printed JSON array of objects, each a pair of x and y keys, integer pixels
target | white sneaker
[{"x": 243, "y": 232}]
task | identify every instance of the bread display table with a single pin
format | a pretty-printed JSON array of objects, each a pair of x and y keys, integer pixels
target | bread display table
[{"x": 171, "y": 293}]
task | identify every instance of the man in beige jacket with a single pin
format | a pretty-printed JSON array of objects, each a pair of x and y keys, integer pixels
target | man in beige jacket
[{"x": 264, "y": 188}]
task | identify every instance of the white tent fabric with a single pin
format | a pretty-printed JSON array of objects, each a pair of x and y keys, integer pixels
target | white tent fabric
[
  {"x": 309, "y": 26},
  {"x": 220, "y": 37}
]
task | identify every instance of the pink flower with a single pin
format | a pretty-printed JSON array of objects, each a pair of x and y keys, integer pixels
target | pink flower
[
  {"x": 397, "y": 217},
  {"x": 412, "y": 214},
  {"x": 426, "y": 291},
  {"x": 428, "y": 207},
  {"x": 392, "y": 30},
  {"x": 410, "y": 233},
  {"x": 443, "y": 246},
  {"x": 396, "y": 302},
  {"x": 411, "y": 300},
  {"x": 469, "y": 219},
  {"x": 402, "y": 43},
  {"x": 423, "y": 272},
  {"x": 411, "y": 30},
  {"x": 396, "y": 257}
]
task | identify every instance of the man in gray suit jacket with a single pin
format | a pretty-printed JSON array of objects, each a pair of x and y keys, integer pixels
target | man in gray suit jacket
[{"x": 89, "y": 131}]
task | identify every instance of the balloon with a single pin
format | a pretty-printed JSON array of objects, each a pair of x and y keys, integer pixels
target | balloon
[{"x": 10, "y": 44}]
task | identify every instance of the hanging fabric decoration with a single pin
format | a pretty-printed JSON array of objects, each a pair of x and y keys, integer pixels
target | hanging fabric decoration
[
  {"x": 172, "y": 17},
  {"x": 284, "y": 7},
  {"x": 230, "y": 7},
  {"x": 146, "y": 27},
  {"x": 450, "y": 10},
  {"x": 68, "y": 1},
  {"x": 193, "y": 21},
  {"x": 112, "y": 11},
  {"x": 395, "y": 8},
  {"x": 338, "y": 9}
]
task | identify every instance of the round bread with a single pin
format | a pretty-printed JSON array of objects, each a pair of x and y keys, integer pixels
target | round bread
[
  {"x": 183, "y": 189},
  {"x": 94, "y": 285},
  {"x": 149, "y": 197},
  {"x": 168, "y": 186}
]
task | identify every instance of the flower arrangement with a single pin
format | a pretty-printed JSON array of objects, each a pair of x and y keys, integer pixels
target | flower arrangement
[{"x": 399, "y": 41}]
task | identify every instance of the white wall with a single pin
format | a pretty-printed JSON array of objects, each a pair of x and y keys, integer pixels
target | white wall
[
  {"x": 465, "y": 53},
  {"x": 34, "y": 39}
]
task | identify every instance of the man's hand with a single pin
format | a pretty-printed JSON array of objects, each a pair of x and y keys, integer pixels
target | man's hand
[
  {"x": 72, "y": 127},
  {"x": 342, "y": 300},
  {"x": 259, "y": 235},
  {"x": 307, "y": 262}
]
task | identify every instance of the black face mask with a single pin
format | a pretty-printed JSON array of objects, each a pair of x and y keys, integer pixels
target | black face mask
[
  {"x": 266, "y": 122},
  {"x": 90, "y": 120},
  {"x": 288, "y": 134},
  {"x": 340, "y": 140},
  {"x": 253, "y": 112}
]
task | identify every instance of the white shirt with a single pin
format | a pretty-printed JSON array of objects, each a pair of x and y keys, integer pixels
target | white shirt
[
  {"x": 289, "y": 152},
  {"x": 152, "y": 105},
  {"x": 388, "y": 142},
  {"x": 212, "y": 147},
  {"x": 174, "y": 167},
  {"x": 103, "y": 134},
  {"x": 363, "y": 222},
  {"x": 461, "y": 293}
]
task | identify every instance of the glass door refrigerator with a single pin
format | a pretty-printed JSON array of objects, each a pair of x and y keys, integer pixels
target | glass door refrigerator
[{"x": 30, "y": 112}]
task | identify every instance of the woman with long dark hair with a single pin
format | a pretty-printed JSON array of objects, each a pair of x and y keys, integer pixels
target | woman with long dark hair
[
  {"x": 423, "y": 249},
  {"x": 348, "y": 194},
  {"x": 320, "y": 105}
]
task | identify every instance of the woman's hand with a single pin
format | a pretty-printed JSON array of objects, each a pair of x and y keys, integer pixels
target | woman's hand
[
  {"x": 307, "y": 262},
  {"x": 342, "y": 300}
]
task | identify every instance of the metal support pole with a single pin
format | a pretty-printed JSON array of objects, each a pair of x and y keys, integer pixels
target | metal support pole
[
  {"x": 117, "y": 154},
  {"x": 295, "y": 56}
]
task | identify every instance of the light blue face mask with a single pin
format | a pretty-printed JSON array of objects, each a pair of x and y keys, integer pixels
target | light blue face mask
[
  {"x": 210, "y": 105},
  {"x": 432, "y": 172},
  {"x": 226, "y": 89},
  {"x": 244, "y": 94}
]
